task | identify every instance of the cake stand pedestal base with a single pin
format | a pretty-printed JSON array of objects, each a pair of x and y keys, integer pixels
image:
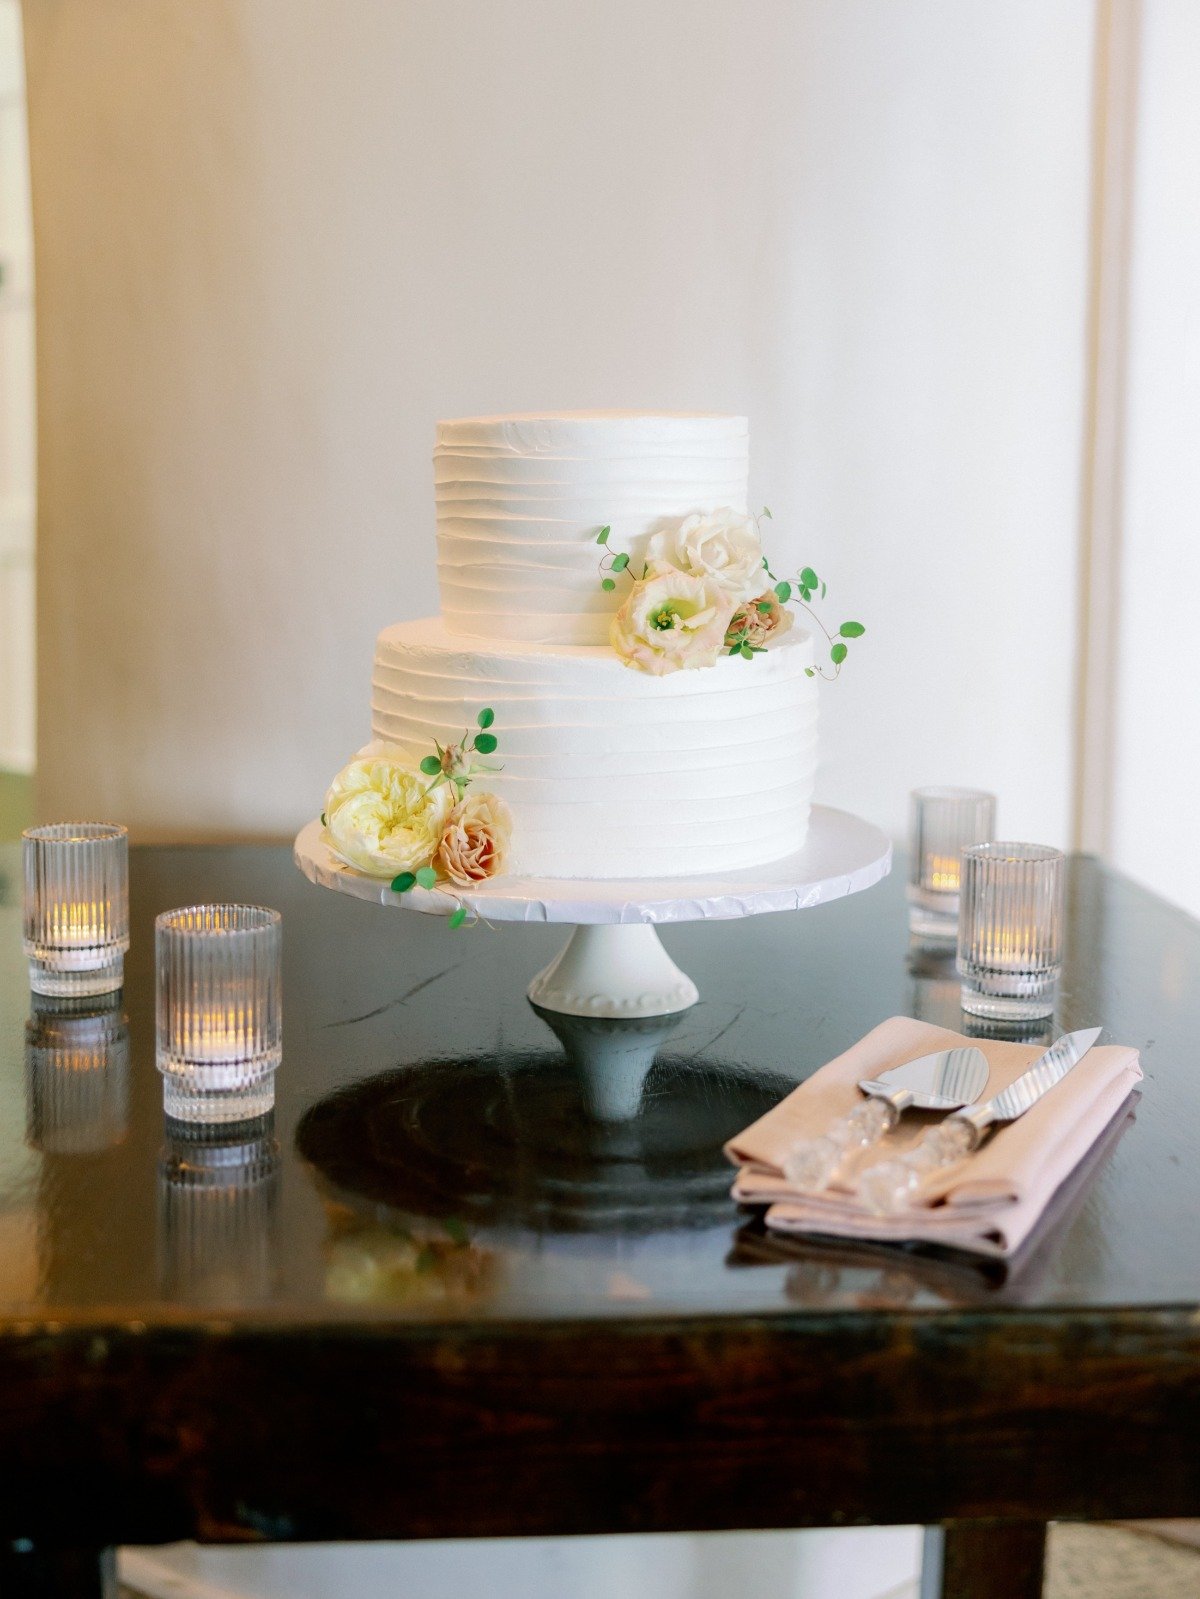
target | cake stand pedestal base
[{"x": 614, "y": 970}]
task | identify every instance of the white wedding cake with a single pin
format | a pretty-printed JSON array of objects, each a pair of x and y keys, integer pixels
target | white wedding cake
[{"x": 596, "y": 571}]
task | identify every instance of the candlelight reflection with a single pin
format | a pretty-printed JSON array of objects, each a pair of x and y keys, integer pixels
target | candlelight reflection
[
  {"x": 218, "y": 1189},
  {"x": 76, "y": 1075}
]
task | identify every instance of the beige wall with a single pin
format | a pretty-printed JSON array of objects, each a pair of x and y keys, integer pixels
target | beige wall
[{"x": 277, "y": 239}]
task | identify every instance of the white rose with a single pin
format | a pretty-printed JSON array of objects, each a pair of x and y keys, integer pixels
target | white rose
[
  {"x": 722, "y": 546},
  {"x": 671, "y": 620},
  {"x": 381, "y": 817}
]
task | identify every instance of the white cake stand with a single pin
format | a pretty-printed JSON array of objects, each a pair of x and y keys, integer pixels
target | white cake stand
[{"x": 613, "y": 964}]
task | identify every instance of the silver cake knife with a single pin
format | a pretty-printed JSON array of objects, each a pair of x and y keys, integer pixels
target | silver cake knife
[{"x": 886, "y": 1188}]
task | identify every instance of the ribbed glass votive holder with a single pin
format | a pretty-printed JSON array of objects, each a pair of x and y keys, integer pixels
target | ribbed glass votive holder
[
  {"x": 219, "y": 1010},
  {"x": 1010, "y": 930},
  {"x": 942, "y": 822},
  {"x": 76, "y": 927}
]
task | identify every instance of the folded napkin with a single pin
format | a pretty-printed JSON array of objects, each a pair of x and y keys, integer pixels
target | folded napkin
[{"x": 989, "y": 1202}]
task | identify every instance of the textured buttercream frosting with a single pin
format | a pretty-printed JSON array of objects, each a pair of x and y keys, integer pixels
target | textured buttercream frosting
[
  {"x": 610, "y": 772},
  {"x": 520, "y": 500}
]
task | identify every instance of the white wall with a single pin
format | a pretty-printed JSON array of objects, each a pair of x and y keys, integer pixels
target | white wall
[
  {"x": 311, "y": 230},
  {"x": 16, "y": 409},
  {"x": 1157, "y": 755}
]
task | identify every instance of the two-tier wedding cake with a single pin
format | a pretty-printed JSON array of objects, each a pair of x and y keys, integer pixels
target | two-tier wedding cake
[{"x": 604, "y": 596}]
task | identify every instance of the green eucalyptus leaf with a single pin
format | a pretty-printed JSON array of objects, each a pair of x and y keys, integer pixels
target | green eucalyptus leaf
[
  {"x": 620, "y": 562},
  {"x": 324, "y": 823},
  {"x": 783, "y": 592},
  {"x": 431, "y": 766},
  {"x": 486, "y": 717},
  {"x": 806, "y": 595},
  {"x": 485, "y": 743},
  {"x": 457, "y": 918},
  {"x": 608, "y": 585},
  {"x": 822, "y": 591},
  {"x": 837, "y": 654},
  {"x": 767, "y": 513},
  {"x": 602, "y": 536},
  {"x": 402, "y": 884},
  {"x": 852, "y": 630},
  {"x": 808, "y": 672},
  {"x": 809, "y": 578},
  {"x": 426, "y": 877}
]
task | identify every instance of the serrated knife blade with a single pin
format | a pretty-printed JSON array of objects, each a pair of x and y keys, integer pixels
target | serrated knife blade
[{"x": 1048, "y": 1069}]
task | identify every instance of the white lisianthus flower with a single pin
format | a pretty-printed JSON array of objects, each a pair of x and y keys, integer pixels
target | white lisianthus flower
[
  {"x": 722, "y": 546},
  {"x": 381, "y": 816},
  {"x": 671, "y": 620}
]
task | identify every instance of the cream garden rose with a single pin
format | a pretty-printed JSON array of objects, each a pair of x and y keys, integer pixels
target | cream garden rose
[
  {"x": 720, "y": 546},
  {"x": 382, "y": 816},
  {"x": 671, "y": 620},
  {"x": 475, "y": 842}
]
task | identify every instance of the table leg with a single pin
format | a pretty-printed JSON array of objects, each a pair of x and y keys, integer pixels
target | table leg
[
  {"x": 984, "y": 1560},
  {"x": 29, "y": 1571}
]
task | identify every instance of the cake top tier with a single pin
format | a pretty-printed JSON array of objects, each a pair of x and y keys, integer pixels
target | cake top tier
[
  {"x": 590, "y": 427},
  {"x": 520, "y": 500}
]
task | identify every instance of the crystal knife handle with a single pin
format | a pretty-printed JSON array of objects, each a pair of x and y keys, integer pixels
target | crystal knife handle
[
  {"x": 811, "y": 1163},
  {"x": 887, "y": 1188}
]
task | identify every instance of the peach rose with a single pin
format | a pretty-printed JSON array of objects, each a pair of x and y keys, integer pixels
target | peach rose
[
  {"x": 476, "y": 840},
  {"x": 759, "y": 622}
]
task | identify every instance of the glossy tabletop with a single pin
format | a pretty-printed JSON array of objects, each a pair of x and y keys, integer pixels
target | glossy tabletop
[
  {"x": 432, "y": 1169},
  {"x": 432, "y": 1153}
]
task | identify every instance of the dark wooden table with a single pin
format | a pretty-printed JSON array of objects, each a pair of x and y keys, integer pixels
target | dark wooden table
[{"x": 435, "y": 1299}]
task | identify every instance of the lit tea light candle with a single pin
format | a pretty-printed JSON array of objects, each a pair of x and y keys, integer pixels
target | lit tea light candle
[
  {"x": 76, "y": 925},
  {"x": 218, "y": 1038},
  {"x": 942, "y": 822},
  {"x": 941, "y": 873}
]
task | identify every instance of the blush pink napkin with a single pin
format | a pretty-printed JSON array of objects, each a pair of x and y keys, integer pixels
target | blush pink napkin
[{"x": 987, "y": 1203}]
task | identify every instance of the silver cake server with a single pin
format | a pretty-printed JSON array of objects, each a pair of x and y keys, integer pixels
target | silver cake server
[
  {"x": 941, "y": 1081},
  {"x": 887, "y": 1187}
]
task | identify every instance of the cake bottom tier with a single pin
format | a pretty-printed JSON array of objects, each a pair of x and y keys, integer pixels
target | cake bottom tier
[{"x": 610, "y": 772}]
